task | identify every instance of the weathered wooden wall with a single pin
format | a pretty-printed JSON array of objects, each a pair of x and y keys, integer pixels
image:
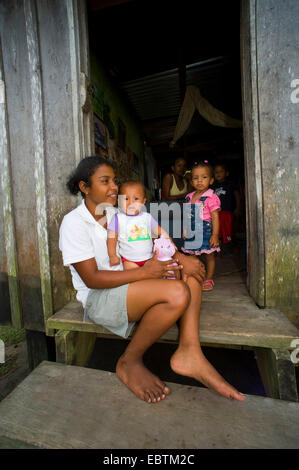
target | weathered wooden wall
[
  {"x": 278, "y": 66},
  {"x": 253, "y": 172},
  {"x": 44, "y": 79},
  {"x": 270, "y": 47}
]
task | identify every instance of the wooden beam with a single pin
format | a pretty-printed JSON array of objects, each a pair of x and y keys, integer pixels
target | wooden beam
[
  {"x": 191, "y": 148},
  {"x": 182, "y": 82},
  {"x": 10, "y": 246},
  {"x": 154, "y": 124},
  {"x": 101, "y": 4},
  {"x": 182, "y": 74},
  {"x": 38, "y": 148}
]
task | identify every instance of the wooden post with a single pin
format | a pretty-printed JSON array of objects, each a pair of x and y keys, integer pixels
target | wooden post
[
  {"x": 74, "y": 347},
  {"x": 8, "y": 213},
  {"x": 278, "y": 373},
  {"x": 269, "y": 42},
  {"x": 39, "y": 347},
  {"x": 252, "y": 154}
]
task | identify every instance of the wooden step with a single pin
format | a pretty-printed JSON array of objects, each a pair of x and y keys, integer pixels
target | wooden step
[
  {"x": 67, "y": 407},
  {"x": 222, "y": 322}
]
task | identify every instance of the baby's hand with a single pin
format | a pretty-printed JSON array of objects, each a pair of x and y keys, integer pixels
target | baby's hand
[
  {"x": 214, "y": 241},
  {"x": 114, "y": 260}
]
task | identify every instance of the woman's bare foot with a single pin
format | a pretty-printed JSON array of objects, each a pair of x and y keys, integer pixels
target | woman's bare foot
[
  {"x": 140, "y": 380},
  {"x": 191, "y": 362}
]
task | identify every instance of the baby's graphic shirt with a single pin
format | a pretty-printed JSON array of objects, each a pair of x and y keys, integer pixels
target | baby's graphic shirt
[{"x": 134, "y": 235}]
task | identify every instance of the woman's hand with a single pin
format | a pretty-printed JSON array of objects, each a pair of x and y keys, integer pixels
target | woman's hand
[
  {"x": 106, "y": 279},
  {"x": 192, "y": 266},
  {"x": 214, "y": 241},
  {"x": 155, "y": 269}
]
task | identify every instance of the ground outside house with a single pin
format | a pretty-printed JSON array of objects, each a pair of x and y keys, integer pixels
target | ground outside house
[{"x": 15, "y": 368}]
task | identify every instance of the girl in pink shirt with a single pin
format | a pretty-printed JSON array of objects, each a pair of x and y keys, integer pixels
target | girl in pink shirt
[{"x": 201, "y": 229}]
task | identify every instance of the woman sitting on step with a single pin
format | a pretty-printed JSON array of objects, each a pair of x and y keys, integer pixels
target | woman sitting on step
[{"x": 117, "y": 299}]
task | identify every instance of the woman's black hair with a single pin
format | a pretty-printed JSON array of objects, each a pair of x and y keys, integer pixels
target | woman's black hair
[
  {"x": 84, "y": 171},
  {"x": 204, "y": 164}
]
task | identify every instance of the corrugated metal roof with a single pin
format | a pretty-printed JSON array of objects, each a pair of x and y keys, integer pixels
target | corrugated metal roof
[{"x": 158, "y": 95}]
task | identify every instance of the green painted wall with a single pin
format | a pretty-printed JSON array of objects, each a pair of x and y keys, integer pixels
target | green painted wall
[{"x": 107, "y": 96}]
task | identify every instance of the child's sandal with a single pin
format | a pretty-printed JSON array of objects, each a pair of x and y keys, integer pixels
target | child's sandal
[{"x": 208, "y": 284}]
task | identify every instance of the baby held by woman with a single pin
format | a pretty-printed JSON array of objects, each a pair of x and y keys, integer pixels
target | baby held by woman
[{"x": 131, "y": 231}]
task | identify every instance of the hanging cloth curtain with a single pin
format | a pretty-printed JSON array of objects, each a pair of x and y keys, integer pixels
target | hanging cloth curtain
[{"x": 193, "y": 100}]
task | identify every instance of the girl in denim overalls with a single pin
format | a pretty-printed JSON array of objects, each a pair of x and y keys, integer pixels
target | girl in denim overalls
[{"x": 201, "y": 226}]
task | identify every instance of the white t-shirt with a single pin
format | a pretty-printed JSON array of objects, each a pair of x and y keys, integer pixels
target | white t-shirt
[
  {"x": 81, "y": 237},
  {"x": 134, "y": 235}
]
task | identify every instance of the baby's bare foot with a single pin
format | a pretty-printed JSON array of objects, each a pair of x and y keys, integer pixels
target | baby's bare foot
[
  {"x": 190, "y": 362},
  {"x": 140, "y": 380}
]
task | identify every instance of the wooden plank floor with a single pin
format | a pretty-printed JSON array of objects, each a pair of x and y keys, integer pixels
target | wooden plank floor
[
  {"x": 66, "y": 407},
  {"x": 228, "y": 316}
]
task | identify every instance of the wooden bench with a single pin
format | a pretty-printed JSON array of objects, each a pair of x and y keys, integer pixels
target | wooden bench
[
  {"x": 229, "y": 318},
  {"x": 70, "y": 407}
]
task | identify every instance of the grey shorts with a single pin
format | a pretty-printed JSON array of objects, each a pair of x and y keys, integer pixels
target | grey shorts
[{"x": 108, "y": 307}]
